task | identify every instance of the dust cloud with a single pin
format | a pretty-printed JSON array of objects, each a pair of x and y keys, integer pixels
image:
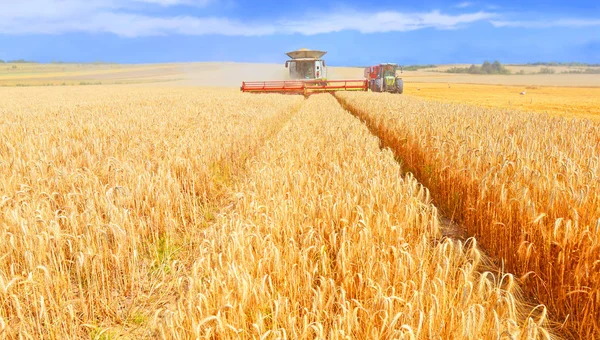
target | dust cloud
[
  {"x": 222, "y": 74},
  {"x": 229, "y": 74}
]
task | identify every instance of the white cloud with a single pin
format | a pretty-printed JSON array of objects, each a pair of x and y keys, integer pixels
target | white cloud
[
  {"x": 165, "y": 3},
  {"x": 108, "y": 16},
  {"x": 570, "y": 23},
  {"x": 464, "y": 4},
  {"x": 123, "y": 18},
  {"x": 386, "y": 22},
  {"x": 44, "y": 9}
]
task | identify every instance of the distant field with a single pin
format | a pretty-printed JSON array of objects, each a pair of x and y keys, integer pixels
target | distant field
[
  {"x": 571, "y": 80},
  {"x": 231, "y": 74},
  {"x": 26, "y": 74},
  {"x": 527, "y": 69},
  {"x": 565, "y": 94},
  {"x": 566, "y": 101}
]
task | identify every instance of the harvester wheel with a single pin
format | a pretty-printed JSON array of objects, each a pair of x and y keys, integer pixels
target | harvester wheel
[{"x": 399, "y": 85}]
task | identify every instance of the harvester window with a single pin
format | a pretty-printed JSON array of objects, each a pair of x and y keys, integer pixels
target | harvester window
[
  {"x": 305, "y": 70},
  {"x": 309, "y": 72}
]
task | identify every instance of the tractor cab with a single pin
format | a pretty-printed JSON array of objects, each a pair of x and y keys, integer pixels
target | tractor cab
[
  {"x": 389, "y": 70},
  {"x": 306, "y": 65}
]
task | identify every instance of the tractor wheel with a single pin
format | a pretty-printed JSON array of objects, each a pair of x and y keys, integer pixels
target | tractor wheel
[
  {"x": 378, "y": 85},
  {"x": 399, "y": 85}
]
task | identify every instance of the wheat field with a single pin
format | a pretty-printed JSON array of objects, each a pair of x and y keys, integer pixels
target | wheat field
[
  {"x": 104, "y": 190},
  {"x": 149, "y": 212},
  {"x": 566, "y": 101},
  {"x": 525, "y": 185}
]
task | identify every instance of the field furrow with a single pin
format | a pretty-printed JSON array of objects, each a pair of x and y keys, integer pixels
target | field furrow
[
  {"x": 103, "y": 194},
  {"x": 328, "y": 238},
  {"x": 527, "y": 186}
]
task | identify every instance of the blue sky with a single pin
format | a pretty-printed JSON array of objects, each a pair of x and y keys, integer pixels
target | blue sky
[{"x": 355, "y": 32}]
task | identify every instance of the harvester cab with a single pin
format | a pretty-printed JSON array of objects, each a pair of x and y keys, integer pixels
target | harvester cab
[
  {"x": 384, "y": 78},
  {"x": 306, "y": 64},
  {"x": 308, "y": 75}
]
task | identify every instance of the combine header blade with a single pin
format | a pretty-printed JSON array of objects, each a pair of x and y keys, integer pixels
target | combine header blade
[
  {"x": 304, "y": 86},
  {"x": 291, "y": 86}
]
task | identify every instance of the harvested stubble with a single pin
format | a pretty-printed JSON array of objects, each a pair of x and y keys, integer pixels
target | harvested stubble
[
  {"x": 102, "y": 194},
  {"x": 526, "y": 185},
  {"x": 328, "y": 239}
]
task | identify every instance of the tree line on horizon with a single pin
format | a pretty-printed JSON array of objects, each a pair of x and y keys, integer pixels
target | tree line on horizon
[
  {"x": 554, "y": 63},
  {"x": 18, "y": 61},
  {"x": 497, "y": 68},
  {"x": 485, "y": 68}
]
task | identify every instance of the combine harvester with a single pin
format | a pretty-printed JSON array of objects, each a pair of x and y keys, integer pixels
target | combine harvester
[{"x": 308, "y": 74}]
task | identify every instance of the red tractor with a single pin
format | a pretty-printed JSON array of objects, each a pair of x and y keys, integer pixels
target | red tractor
[{"x": 382, "y": 78}]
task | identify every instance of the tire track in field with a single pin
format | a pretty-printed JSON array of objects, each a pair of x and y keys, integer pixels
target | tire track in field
[
  {"x": 224, "y": 201},
  {"x": 317, "y": 226},
  {"x": 175, "y": 252},
  {"x": 449, "y": 227}
]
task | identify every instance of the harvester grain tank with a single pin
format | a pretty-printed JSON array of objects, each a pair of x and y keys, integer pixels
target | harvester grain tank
[
  {"x": 383, "y": 78},
  {"x": 308, "y": 74}
]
